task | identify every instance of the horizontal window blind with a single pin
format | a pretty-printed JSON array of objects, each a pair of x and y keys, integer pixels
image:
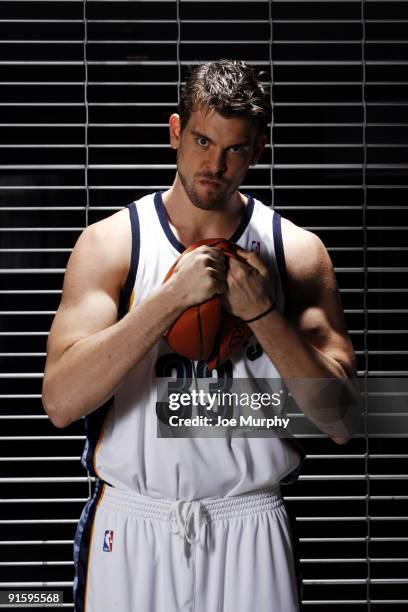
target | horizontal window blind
[{"x": 86, "y": 89}]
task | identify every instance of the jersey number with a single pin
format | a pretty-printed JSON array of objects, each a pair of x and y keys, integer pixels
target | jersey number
[{"x": 184, "y": 373}]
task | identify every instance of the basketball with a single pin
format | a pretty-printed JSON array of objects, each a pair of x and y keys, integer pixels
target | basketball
[{"x": 207, "y": 332}]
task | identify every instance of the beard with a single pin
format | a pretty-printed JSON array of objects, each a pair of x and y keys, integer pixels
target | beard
[{"x": 213, "y": 200}]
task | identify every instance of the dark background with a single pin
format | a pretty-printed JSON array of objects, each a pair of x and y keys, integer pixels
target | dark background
[{"x": 86, "y": 89}]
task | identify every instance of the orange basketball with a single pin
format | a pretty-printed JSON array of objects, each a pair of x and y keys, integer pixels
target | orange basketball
[{"x": 206, "y": 331}]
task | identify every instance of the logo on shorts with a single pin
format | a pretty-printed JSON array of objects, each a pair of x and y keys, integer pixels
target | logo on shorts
[
  {"x": 108, "y": 540},
  {"x": 256, "y": 246}
]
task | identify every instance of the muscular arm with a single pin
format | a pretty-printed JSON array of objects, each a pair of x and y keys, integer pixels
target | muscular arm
[
  {"x": 89, "y": 351},
  {"x": 310, "y": 341},
  {"x": 314, "y": 315},
  {"x": 314, "y": 334}
]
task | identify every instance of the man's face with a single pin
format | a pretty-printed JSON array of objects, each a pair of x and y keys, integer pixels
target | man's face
[{"x": 213, "y": 155}]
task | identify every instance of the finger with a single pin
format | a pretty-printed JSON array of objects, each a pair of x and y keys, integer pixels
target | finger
[
  {"x": 177, "y": 261},
  {"x": 218, "y": 264},
  {"x": 220, "y": 269},
  {"x": 218, "y": 274},
  {"x": 184, "y": 255},
  {"x": 218, "y": 255},
  {"x": 253, "y": 260},
  {"x": 213, "y": 251},
  {"x": 235, "y": 265},
  {"x": 205, "y": 251}
]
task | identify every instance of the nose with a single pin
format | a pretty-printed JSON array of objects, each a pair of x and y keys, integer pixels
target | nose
[{"x": 216, "y": 162}]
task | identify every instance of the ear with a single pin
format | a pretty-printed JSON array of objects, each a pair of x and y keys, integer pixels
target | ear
[
  {"x": 258, "y": 148},
  {"x": 174, "y": 128}
]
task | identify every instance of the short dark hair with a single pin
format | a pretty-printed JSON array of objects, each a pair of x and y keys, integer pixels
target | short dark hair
[{"x": 229, "y": 87}]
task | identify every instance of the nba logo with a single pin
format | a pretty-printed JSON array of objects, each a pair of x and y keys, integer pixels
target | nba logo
[
  {"x": 107, "y": 541},
  {"x": 256, "y": 246}
]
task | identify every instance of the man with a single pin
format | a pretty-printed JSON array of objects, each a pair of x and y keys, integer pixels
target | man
[{"x": 219, "y": 499}]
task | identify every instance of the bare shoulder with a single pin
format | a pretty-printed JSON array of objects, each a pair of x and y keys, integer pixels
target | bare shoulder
[
  {"x": 306, "y": 257},
  {"x": 96, "y": 271},
  {"x": 104, "y": 248}
]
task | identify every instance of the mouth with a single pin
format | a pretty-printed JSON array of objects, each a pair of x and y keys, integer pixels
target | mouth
[{"x": 210, "y": 182}]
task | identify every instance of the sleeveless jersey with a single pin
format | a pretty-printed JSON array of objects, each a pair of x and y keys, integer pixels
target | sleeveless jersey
[{"x": 122, "y": 446}]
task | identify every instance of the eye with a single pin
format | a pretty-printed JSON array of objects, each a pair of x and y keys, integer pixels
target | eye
[
  {"x": 201, "y": 141},
  {"x": 237, "y": 148}
]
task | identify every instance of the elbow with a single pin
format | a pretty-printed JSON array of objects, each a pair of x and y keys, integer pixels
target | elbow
[
  {"x": 53, "y": 408},
  {"x": 55, "y": 415},
  {"x": 58, "y": 421}
]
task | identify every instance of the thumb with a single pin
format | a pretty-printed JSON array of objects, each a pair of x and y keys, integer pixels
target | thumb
[{"x": 252, "y": 259}]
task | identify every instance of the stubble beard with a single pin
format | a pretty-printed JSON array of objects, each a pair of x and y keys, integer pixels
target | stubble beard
[{"x": 216, "y": 202}]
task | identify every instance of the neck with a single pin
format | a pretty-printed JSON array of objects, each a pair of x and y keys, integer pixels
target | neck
[{"x": 191, "y": 223}]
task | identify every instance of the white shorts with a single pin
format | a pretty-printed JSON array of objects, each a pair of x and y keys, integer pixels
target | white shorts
[{"x": 134, "y": 553}]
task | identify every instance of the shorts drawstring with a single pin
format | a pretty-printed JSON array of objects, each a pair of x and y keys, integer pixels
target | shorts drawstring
[{"x": 183, "y": 516}]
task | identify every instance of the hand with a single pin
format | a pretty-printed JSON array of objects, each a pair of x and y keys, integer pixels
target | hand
[
  {"x": 249, "y": 286},
  {"x": 199, "y": 275}
]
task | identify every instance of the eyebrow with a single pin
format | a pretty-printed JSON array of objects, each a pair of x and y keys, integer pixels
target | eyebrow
[{"x": 245, "y": 143}]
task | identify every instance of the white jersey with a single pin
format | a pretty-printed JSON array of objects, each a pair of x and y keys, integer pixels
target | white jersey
[{"x": 122, "y": 446}]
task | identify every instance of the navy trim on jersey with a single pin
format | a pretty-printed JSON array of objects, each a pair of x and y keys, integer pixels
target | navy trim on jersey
[
  {"x": 93, "y": 427},
  {"x": 294, "y": 474},
  {"x": 246, "y": 217},
  {"x": 82, "y": 546},
  {"x": 164, "y": 221},
  {"x": 127, "y": 288},
  {"x": 280, "y": 255}
]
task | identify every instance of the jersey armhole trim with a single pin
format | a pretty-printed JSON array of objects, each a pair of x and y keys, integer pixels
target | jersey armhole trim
[
  {"x": 280, "y": 255},
  {"x": 127, "y": 288}
]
